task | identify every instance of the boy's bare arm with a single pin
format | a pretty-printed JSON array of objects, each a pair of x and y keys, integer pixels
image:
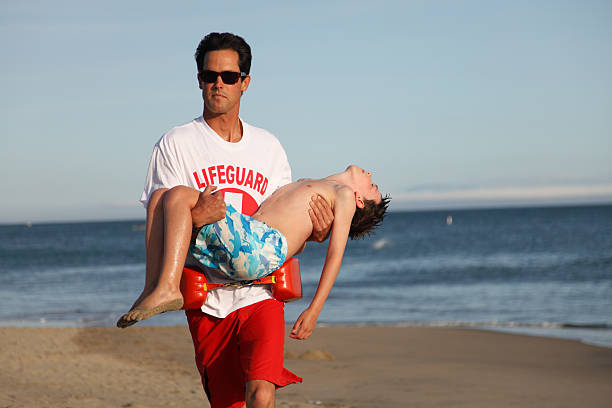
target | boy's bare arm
[{"x": 344, "y": 209}]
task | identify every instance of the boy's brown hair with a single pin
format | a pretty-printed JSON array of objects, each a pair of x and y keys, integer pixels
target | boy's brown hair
[{"x": 367, "y": 218}]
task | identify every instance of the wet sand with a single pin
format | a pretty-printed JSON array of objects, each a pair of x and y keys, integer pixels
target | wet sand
[{"x": 360, "y": 367}]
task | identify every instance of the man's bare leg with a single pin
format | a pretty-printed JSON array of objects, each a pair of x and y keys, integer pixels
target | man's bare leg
[
  {"x": 260, "y": 394},
  {"x": 177, "y": 223}
]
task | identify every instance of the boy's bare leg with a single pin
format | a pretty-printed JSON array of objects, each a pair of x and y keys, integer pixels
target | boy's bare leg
[
  {"x": 177, "y": 205},
  {"x": 154, "y": 248},
  {"x": 154, "y": 243}
]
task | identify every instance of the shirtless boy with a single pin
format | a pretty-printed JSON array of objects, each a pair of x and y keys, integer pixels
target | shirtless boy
[{"x": 278, "y": 230}]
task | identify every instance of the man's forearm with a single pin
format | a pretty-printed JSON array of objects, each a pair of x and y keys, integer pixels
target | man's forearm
[{"x": 322, "y": 217}]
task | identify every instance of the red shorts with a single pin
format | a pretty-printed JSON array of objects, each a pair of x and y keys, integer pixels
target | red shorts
[{"x": 246, "y": 345}]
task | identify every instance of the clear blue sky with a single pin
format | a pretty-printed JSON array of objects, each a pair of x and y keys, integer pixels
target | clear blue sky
[{"x": 449, "y": 103}]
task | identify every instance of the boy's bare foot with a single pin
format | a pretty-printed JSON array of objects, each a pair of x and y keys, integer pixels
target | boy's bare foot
[
  {"x": 138, "y": 314},
  {"x": 143, "y": 295},
  {"x": 149, "y": 307}
]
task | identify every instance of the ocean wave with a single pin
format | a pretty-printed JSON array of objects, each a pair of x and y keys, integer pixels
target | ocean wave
[
  {"x": 469, "y": 268},
  {"x": 479, "y": 324},
  {"x": 381, "y": 243},
  {"x": 54, "y": 273},
  {"x": 494, "y": 323},
  {"x": 467, "y": 261}
]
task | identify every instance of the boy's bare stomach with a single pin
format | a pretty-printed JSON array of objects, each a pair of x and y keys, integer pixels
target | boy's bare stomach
[{"x": 287, "y": 210}]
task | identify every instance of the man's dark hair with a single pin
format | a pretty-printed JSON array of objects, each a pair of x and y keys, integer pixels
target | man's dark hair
[
  {"x": 367, "y": 218},
  {"x": 224, "y": 41}
]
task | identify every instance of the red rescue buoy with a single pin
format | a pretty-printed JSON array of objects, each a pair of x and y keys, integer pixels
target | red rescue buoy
[{"x": 286, "y": 284}]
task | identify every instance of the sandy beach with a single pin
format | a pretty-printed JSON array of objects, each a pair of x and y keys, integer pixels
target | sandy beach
[{"x": 358, "y": 367}]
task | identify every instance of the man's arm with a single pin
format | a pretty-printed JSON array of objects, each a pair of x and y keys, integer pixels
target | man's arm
[
  {"x": 322, "y": 218},
  {"x": 162, "y": 173},
  {"x": 209, "y": 208},
  {"x": 344, "y": 209}
]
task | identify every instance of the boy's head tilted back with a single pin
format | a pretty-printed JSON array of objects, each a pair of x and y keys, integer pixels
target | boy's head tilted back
[
  {"x": 369, "y": 202},
  {"x": 371, "y": 205},
  {"x": 367, "y": 218}
]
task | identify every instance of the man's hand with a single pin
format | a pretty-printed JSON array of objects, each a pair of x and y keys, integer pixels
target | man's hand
[
  {"x": 322, "y": 218},
  {"x": 209, "y": 208}
]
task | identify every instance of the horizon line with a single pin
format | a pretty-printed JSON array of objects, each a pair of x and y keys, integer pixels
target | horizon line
[{"x": 428, "y": 208}]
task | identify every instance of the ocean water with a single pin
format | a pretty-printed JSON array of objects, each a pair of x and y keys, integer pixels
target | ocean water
[{"x": 539, "y": 271}]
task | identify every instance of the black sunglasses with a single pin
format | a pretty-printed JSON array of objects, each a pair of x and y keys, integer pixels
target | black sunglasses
[{"x": 228, "y": 77}]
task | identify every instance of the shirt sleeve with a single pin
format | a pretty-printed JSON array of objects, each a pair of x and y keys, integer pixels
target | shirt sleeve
[
  {"x": 284, "y": 170},
  {"x": 162, "y": 173}
]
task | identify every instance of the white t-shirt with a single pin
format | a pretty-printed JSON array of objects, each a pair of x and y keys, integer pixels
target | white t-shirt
[{"x": 246, "y": 173}]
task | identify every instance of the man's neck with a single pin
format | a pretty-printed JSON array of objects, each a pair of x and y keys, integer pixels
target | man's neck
[{"x": 227, "y": 126}]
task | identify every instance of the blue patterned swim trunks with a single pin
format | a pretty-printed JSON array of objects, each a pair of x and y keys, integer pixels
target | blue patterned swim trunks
[{"x": 242, "y": 247}]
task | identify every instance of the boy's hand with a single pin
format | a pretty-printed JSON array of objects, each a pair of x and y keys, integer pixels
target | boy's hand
[
  {"x": 304, "y": 325},
  {"x": 209, "y": 208},
  {"x": 322, "y": 218}
]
